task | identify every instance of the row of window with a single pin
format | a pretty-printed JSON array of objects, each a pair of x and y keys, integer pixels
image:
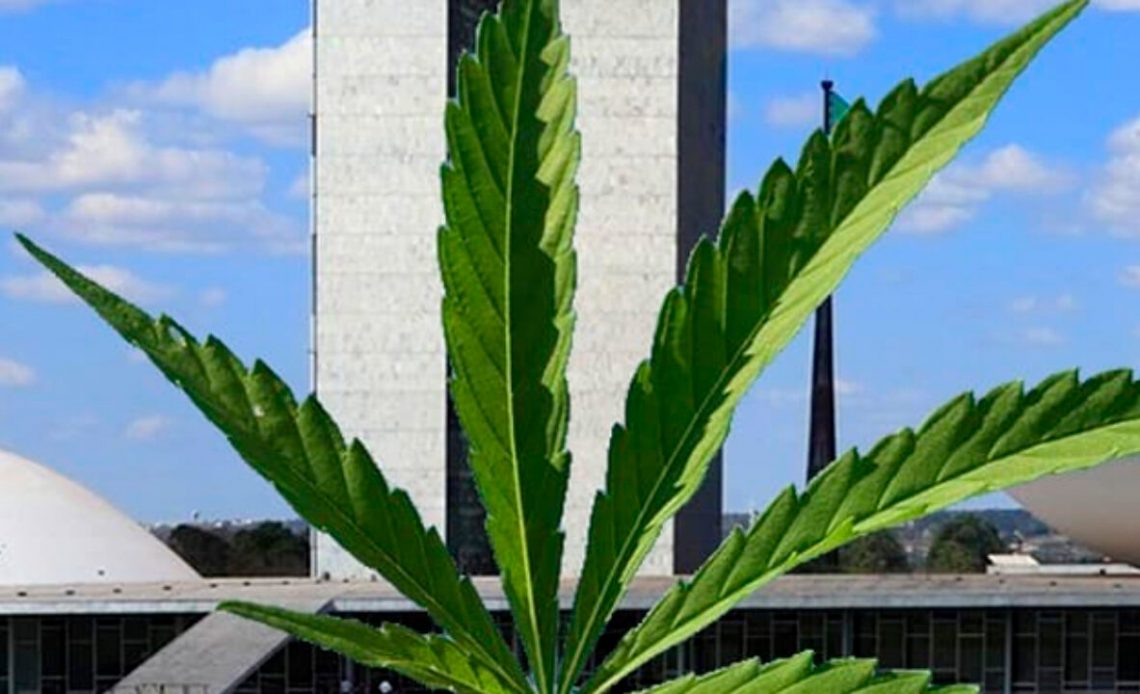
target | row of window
[{"x": 1031, "y": 651}]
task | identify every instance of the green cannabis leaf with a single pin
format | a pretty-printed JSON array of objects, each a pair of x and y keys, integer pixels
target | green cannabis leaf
[
  {"x": 779, "y": 255},
  {"x": 966, "y": 448},
  {"x": 509, "y": 271},
  {"x": 798, "y": 675},
  {"x": 436, "y": 661},
  {"x": 336, "y": 487}
]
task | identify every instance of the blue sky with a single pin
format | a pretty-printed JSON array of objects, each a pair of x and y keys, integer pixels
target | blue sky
[{"x": 162, "y": 147}]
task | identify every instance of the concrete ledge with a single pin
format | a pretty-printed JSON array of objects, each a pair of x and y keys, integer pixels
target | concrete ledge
[{"x": 791, "y": 592}]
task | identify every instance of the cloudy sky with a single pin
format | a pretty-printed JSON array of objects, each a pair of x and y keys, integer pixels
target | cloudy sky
[{"x": 161, "y": 146}]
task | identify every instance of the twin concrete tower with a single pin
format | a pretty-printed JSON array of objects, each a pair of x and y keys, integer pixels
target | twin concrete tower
[{"x": 651, "y": 77}]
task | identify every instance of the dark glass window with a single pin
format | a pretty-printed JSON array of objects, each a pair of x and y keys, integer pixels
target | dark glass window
[
  {"x": 1049, "y": 631},
  {"x": 81, "y": 666},
  {"x": 1128, "y": 665},
  {"x": 4, "y": 649},
  {"x": 891, "y": 642},
  {"x": 1025, "y": 658},
  {"x": 918, "y": 651},
  {"x": 300, "y": 665},
  {"x": 108, "y": 648},
  {"x": 466, "y": 535},
  {"x": 970, "y": 654},
  {"x": 53, "y": 655},
  {"x": 786, "y": 638},
  {"x": 945, "y": 645}
]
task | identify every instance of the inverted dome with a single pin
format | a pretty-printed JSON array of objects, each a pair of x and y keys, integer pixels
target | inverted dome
[
  {"x": 1095, "y": 507},
  {"x": 54, "y": 531}
]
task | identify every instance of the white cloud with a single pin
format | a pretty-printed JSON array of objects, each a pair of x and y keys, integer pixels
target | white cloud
[
  {"x": 112, "y": 151},
  {"x": 845, "y": 388},
  {"x": 983, "y": 11},
  {"x": 129, "y": 177},
  {"x": 1066, "y": 302},
  {"x": 1023, "y": 304},
  {"x": 793, "y": 111},
  {"x": 1062, "y": 303},
  {"x": 73, "y": 427},
  {"x": 174, "y": 225},
  {"x": 20, "y": 212},
  {"x": 44, "y": 287},
  {"x": 1115, "y": 198},
  {"x": 146, "y": 428},
  {"x": 11, "y": 86},
  {"x": 13, "y": 374},
  {"x": 1004, "y": 12},
  {"x": 1042, "y": 337},
  {"x": 21, "y": 5},
  {"x": 956, "y": 194},
  {"x": 212, "y": 297},
  {"x": 782, "y": 397},
  {"x": 1015, "y": 169},
  {"x": 825, "y": 27},
  {"x": 266, "y": 90},
  {"x": 926, "y": 216},
  {"x": 1130, "y": 276},
  {"x": 299, "y": 188}
]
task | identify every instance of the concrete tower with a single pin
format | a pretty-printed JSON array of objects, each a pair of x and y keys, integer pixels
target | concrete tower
[{"x": 651, "y": 79}]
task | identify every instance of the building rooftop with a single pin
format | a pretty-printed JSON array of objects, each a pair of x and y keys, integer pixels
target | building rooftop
[
  {"x": 53, "y": 530},
  {"x": 790, "y": 592}
]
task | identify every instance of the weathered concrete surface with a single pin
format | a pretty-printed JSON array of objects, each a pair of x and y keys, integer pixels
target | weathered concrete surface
[
  {"x": 215, "y": 655},
  {"x": 651, "y": 180},
  {"x": 379, "y": 360}
]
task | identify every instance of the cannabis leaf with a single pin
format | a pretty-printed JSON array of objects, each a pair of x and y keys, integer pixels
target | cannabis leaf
[
  {"x": 966, "y": 448},
  {"x": 798, "y": 675},
  {"x": 299, "y": 449},
  {"x": 778, "y": 256},
  {"x": 436, "y": 661},
  {"x": 509, "y": 271}
]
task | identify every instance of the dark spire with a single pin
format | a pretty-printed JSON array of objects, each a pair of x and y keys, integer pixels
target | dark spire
[{"x": 821, "y": 432}]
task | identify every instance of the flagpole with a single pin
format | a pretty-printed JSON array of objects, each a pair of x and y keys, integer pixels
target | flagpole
[{"x": 821, "y": 433}]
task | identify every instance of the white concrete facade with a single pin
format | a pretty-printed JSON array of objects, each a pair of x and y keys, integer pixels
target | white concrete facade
[
  {"x": 379, "y": 363},
  {"x": 381, "y": 83}
]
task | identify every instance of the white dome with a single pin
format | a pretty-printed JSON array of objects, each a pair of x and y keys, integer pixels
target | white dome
[
  {"x": 1096, "y": 508},
  {"x": 54, "y": 531}
]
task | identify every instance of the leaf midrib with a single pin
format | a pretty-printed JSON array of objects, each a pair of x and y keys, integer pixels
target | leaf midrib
[
  {"x": 893, "y": 172},
  {"x": 863, "y": 527},
  {"x": 629, "y": 545},
  {"x": 532, "y": 625}
]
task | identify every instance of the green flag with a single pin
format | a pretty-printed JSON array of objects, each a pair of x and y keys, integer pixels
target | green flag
[{"x": 837, "y": 108}]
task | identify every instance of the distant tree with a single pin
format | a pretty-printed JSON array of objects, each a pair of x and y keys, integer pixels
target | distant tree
[
  {"x": 207, "y": 552},
  {"x": 962, "y": 545},
  {"x": 880, "y": 553},
  {"x": 269, "y": 549}
]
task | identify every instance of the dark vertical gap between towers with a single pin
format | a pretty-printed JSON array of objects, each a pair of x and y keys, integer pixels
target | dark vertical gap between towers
[
  {"x": 466, "y": 518},
  {"x": 701, "y": 112}
]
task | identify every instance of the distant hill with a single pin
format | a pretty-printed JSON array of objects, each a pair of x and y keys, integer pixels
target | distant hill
[
  {"x": 1018, "y": 529},
  {"x": 227, "y": 528},
  {"x": 240, "y": 548}
]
